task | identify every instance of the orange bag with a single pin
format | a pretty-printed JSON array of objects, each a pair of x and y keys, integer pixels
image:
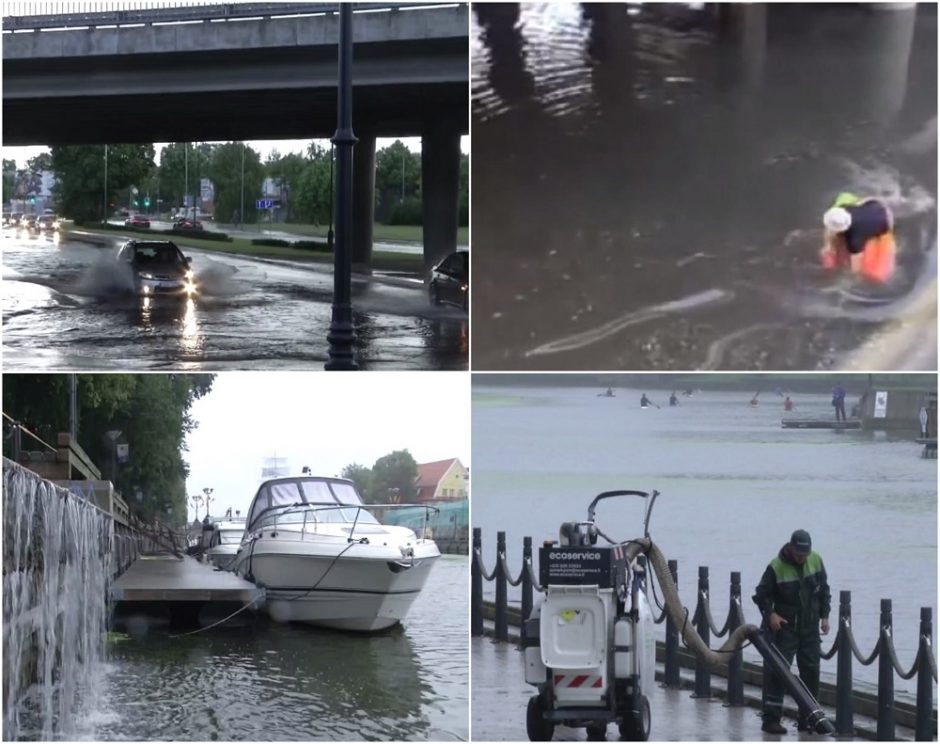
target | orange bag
[{"x": 878, "y": 258}]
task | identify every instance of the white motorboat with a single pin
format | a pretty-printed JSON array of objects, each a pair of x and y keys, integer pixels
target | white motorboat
[
  {"x": 324, "y": 559},
  {"x": 224, "y": 543}
]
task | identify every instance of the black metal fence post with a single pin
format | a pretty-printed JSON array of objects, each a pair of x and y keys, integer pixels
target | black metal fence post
[
  {"x": 922, "y": 723},
  {"x": 845, "y": 713},
  {"x": 671, "y": 677},
  {"x": 17, "y": 441},
  {"x": 476, "y": 585},
  {"x": 501, "y": 621},
  {"x": 703, "y": 675},
  {"x": 885, "y": 676},
  {"x": 526, "y": 587},
  {"x": 735, "y": 694}
]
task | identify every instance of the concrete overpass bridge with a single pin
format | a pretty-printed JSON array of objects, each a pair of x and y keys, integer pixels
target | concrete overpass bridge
[{"x": 250, "y": 71}]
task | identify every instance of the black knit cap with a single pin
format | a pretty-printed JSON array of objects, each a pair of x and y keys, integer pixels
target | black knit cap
[{"x": 801, "y": 542}]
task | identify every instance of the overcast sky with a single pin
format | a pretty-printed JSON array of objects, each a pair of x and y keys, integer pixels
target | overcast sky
[
  {"x": 265, "y": 147},
  {"x": 326, "y": 420}
]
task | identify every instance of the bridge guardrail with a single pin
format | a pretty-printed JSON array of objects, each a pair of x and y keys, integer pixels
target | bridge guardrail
[
  {"x": 190, "y": 13},
  {"x": 844, "y": 647}
]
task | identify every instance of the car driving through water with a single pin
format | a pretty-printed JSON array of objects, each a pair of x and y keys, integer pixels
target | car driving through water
[{"x": 158, "y": 267}]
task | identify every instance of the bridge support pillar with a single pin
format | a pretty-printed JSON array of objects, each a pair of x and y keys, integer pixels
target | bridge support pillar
[
  {"x": 440, "y": 184},
  {"x": 363, "y": 202}
]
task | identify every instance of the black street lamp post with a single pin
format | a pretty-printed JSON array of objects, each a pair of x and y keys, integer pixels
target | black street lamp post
[{"x": 342, "y": 333}]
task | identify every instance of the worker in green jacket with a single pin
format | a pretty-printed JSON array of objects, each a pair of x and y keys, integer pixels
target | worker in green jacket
[{"x": 794, "y": 600}]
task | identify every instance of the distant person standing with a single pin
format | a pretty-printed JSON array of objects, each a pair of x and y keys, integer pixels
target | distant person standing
[
  {"x": 838, "y": 401},
  {"x": 673, "y": 400},
  {"x": 644, "y": 401},
  {"x": 236, "y": 218},
  {"x": 794, "y": 599},
  {"x": 788, "y": 404}
]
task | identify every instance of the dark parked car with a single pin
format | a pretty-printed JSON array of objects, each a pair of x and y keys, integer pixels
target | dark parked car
[
  {"x": 450, "y": 281},
  {"x": 137, "y": 220},
  {"x": 158, "y": 267},
  {"x": 187, "y": 223}
]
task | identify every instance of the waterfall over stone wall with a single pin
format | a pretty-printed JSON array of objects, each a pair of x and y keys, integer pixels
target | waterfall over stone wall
[{"x": 56, "y": 569}]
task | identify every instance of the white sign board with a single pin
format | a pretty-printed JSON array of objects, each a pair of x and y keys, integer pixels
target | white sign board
[
  {"x": 881, "y": 404},
  {"x": 123, "y": 452},
  {"x": 206, "y": 190}
]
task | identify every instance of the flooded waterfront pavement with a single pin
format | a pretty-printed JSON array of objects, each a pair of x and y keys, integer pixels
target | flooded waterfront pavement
[
  {"x": 734, "y": 485},
  {"x": 63, "y": 308},
  {"x": 271, "y": 682},
  {"x": 649, "y": 183}
]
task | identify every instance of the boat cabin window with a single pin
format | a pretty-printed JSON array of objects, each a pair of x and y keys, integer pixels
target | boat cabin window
[
  {"x": 346, "y": 494},
  {"x": 230, "y": 537}
]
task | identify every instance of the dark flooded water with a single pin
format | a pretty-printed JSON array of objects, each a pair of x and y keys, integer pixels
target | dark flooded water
[
  {"x": 270, "y": 682},
  {"x": 648, "y": 183}
]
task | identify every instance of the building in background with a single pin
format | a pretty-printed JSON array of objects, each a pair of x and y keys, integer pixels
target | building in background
[{"x": 442, "y": 480}]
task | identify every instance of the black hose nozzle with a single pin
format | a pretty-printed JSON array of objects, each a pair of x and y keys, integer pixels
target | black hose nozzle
[{"x": 777, "y": 664}]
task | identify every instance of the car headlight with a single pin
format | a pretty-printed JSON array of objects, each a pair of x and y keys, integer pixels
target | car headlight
[
  {"x": 189, "y": 274},
  {"x": 189, "y": 288},
  {"x": 145, "y": 275},
  {"x": 55, "y": 225}
]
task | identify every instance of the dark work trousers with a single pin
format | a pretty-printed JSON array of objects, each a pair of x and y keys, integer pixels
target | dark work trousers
[
  {"x": 840, "y": 409},
  {"x": 806, "y": 647}
]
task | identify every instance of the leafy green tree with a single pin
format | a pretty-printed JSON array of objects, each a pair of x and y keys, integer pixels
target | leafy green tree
[
  {"x": 360, "y": 475},
  {"x": 313, "y": 198},
  {"x": 225, "y": 170},
  {"x": 397, "y": 177},
  {"x": 9, "y": 179},
  {"x": 79, "y": 170},
  {"x": 287, "y": 170},
  {"x": 393, "y": 478},
  {"x": 39, "y": 163},
  {"x": 150, "y": 411}
]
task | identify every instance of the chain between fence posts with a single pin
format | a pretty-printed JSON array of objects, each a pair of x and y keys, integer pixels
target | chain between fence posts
[
  {"x": 671, "y": 677},
  {"x": 925, "y": 683},
  {"x": 735, "y": 696},
  {"x": 845, "y": 713},
  {"x": 526, "y": 579},
  {"x": 476, "y": 584},
  {"x": 885, "y": 676},
  {"x": 703, "y": 675},
  {"x": 501, "y": 621}
]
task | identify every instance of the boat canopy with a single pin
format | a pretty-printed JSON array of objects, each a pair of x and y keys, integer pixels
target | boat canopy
[{"x": 283, "y": 493}]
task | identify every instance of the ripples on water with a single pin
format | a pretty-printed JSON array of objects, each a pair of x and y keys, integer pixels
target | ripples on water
[
  {"x": 628, "y": 157},
  {"x": 288, "y": 683}
]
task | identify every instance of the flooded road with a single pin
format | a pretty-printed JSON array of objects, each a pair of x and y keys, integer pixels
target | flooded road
[
  {"x": 64, "y": 307},
  {"x": 648, "y": 184}
]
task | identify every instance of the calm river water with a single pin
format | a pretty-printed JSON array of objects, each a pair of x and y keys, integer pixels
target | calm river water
[
  {"x": 289, "y": 683},
  {"x": 648, "y": 181},
  {"x": 733, "y": 484}
]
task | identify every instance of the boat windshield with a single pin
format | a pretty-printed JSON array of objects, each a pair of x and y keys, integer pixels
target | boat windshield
[
  {"x": 230, "y": 537},
  {"x": 309, "y": 500}
]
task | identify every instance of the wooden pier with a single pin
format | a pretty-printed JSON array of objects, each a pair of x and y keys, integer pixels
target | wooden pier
[
  {"x": 820, "y": 424},
  {"x": 164, "y": 577}
]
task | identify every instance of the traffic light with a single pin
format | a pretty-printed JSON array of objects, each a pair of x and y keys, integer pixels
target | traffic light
[
  {"x": 32, "y": 200},
  {"x": 146, "y": 201},
  {"x": 136, "y": 203}
]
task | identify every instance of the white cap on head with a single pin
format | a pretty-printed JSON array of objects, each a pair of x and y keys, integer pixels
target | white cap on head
[{"x": 837, "y": 219}]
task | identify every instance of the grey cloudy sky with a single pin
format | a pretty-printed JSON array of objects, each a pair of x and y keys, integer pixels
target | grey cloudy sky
[{"x": 326, "y": 420}]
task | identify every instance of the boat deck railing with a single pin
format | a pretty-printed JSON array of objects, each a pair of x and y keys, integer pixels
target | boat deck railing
[{"x": 844, "y": 648}]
